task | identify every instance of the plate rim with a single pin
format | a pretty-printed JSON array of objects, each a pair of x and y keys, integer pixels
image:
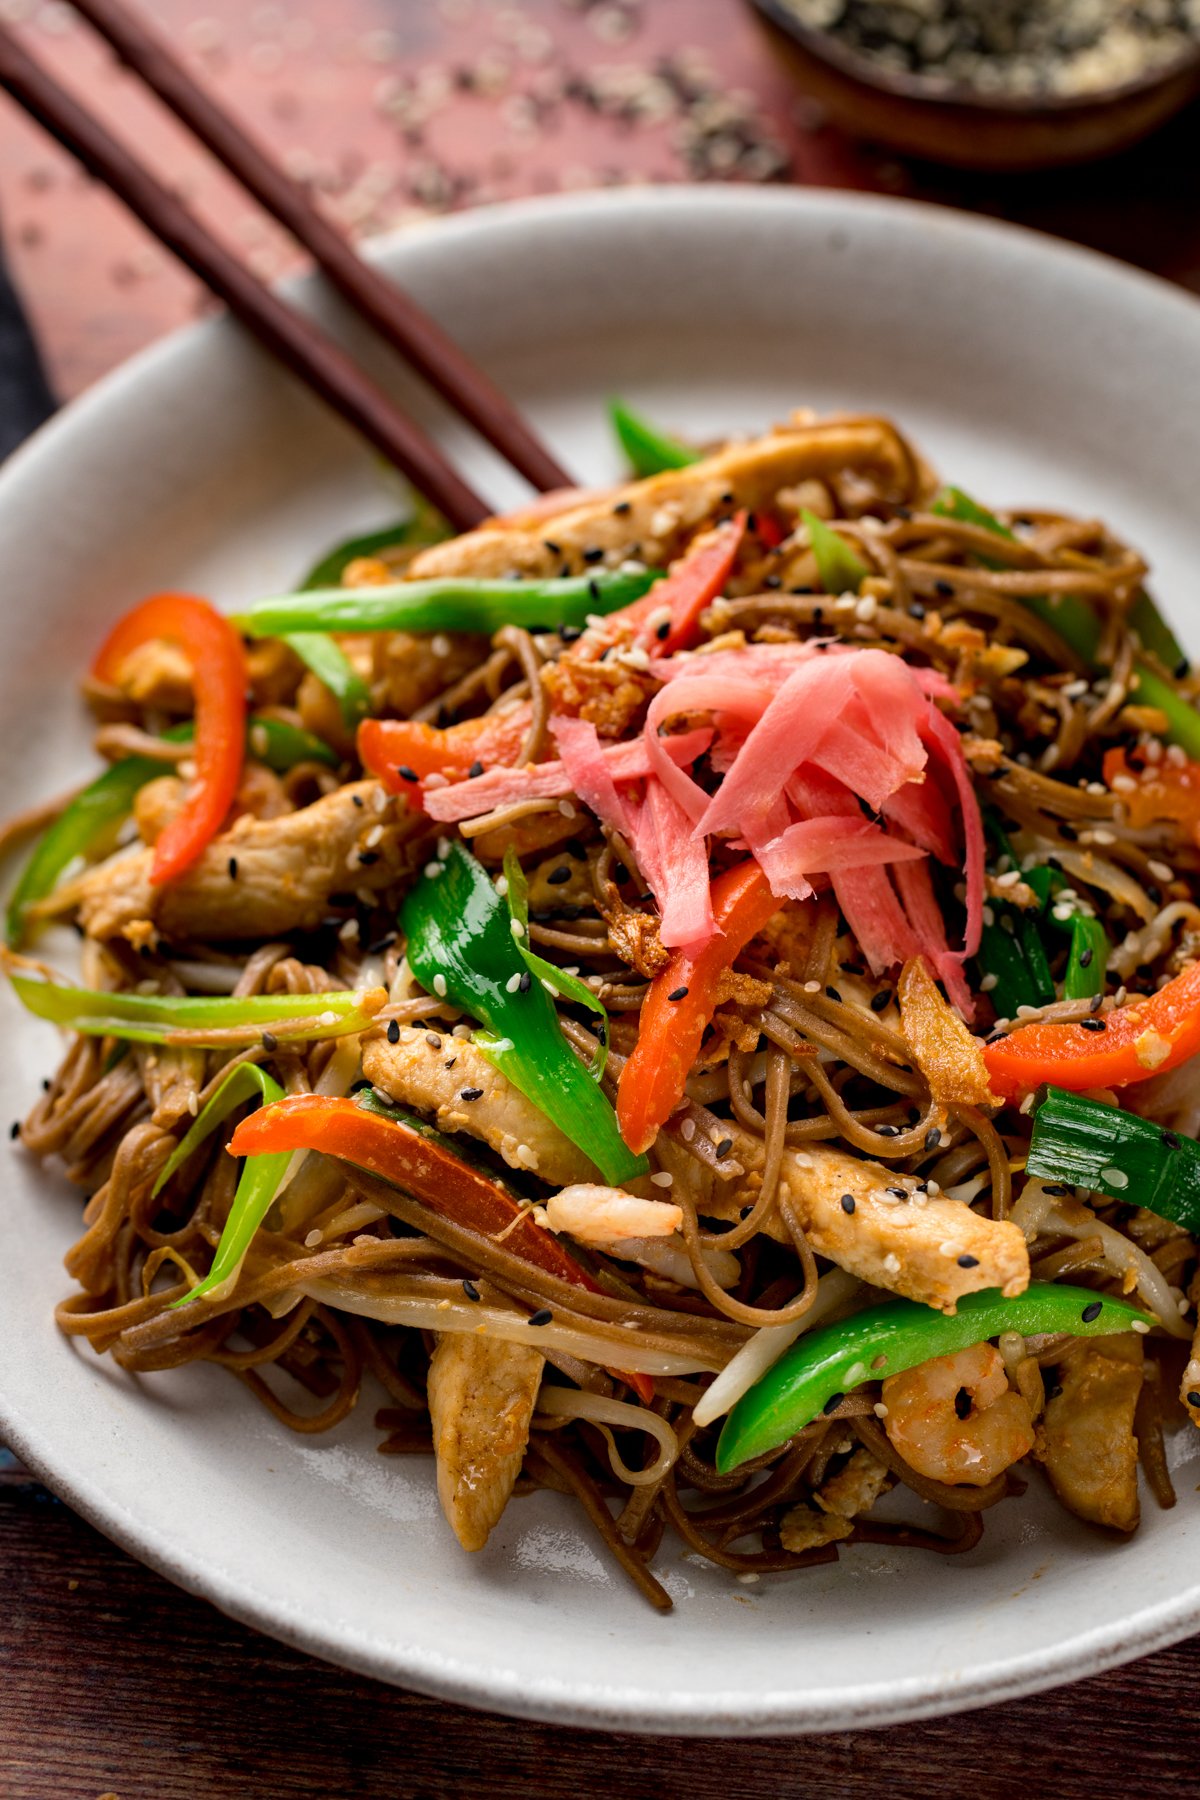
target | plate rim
[{"x": 600, "y": 1706}]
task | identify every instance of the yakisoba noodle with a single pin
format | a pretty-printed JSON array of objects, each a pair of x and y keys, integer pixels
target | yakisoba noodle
[{"x": 982, "y": 807}]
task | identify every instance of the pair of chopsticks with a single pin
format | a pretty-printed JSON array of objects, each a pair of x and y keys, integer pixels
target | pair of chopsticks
[{"x": 290, "y": 335}]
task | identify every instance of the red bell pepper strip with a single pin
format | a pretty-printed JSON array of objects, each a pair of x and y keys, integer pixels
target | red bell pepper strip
[
  {"x": 386, "y": 747},
  {"x": 691, "y": 586},
  {"x": 1129, "y": 1044},
  {"x": 1161, "y": 790},
  {"x": 681, "y": 1002},
  {"x": 219, "y": 679},
  {"x": 420, "y": 1165}
]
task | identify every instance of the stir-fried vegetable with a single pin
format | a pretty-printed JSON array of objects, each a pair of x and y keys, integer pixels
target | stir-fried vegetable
[
  {"x": 452, "y": 603},
  {"x": 556, "y": 981},
  {"x": 1154, "y": 792},
  {"x": 648, "y": 449},
  {"x": 419, "y": 527},
  {"x": 841, "y": 569},
  {"x": 1110, "y": 1151},
  {"x": 86, "y": 826},
  {"x": 1087, "y": 963},
  {"x": 257, "y": 1184},
  {"x": 680, "y": 1003},
  {"x": 413, "y": 1157},
  {"x": 1131, "y": 1043},
  {"x": 326, "y": 659},
  {"x": 220, "y": 1020},
  {"x": 812, "y": 1376},
  {"x": 219, "y": 681},
  {"x": 1079, "y": 627},
  {"x": 402, "y": 752},
  {"x": 465, "y": 945}
]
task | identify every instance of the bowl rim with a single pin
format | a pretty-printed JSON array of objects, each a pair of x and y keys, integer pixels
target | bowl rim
[
  {"x": 824, "y": 47},
  {"x": 676, "y": 1712}
]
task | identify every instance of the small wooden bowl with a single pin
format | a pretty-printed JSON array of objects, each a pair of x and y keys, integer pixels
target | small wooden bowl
[{"x": 967, "y": 129}]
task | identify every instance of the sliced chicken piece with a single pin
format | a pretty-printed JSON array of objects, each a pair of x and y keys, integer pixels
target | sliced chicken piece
[
  {"x": 263, "y": 877},
  {"x": 927, "y": 1247},
  {"x": 414, "y": 669},
  {"x": 482, "y": 1393},
  {"x": 654, "y": 519},
  {"x": 1086, "y": 1440},
  {"x": 434, "y": 1080}
]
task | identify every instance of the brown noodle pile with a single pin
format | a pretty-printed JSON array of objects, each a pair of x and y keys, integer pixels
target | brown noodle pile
[{"x": 809, "y": 1051}]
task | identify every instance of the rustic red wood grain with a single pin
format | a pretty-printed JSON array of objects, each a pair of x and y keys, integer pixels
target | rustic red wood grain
[{"x": 114, "y": 1682}]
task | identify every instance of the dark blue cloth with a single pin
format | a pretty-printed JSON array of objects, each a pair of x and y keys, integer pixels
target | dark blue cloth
[{"x": 25, "y": 396}]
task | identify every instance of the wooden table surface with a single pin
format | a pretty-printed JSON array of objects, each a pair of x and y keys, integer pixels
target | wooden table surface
[{"x": 115, "y": 1683}]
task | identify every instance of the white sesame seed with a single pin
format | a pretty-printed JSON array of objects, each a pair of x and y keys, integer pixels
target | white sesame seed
[
  {"x": 550, "y": 988},
  {"x": 313, "y": 1239},
  {"x": 1114, "y": 1178},
  {"x": 866, "y": 609},
  {"x": 327, "y": 1018},
  {"x": 1123, "y": 784},
  {"x": 516, "y": 927},
  {"x": 1176, "y": 755},
  {"x": 812, "y": 987},
  {"x": 513, "y": 983},
  {"x": 687, "y": 1130},
  {"x": 662, "y": 1178},
  {"x": 566, "y": 809},
  {"x": 1161, "y": 871},
  {"x": 891, "y": 1263},
  {"x": 1102, "y": 835},
  {"x": 502, "y": 885},
  {"x": 1026, "y": 1105},
  {"x": 988, "y": 982},
  {"x": 433, "y": 870},
  {"x": 949, "y": 1250},
  {"x": 1010, "y": 878},
  {"x": 440, "y": 644},
  {"x": 439, "y": 986},
  {"x": 1140, "y": 1326},
  {"x": 932, "y": 1187},
  {"x": 880, "y": 1410}
]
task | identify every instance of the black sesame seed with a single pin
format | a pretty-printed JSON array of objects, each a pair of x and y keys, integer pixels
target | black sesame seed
[
  {"x": 1086, "y": 957},
  {"x": 406, "y": 772},
  {"x": 916, "y": 610},
  {"x": 434, "y": 1041},
  {"x": 889, "y": 1131},
  {"x": 622, "y": 507},
  {"x": 945, "y": 588},
  {"x": 724, "y": 1147},
  {"x": 475, "y": 770},
  {"x": 469, "y": 1289},
  {"x": 933, "y": 1137},
  {"x": 542, "y": 1317},
  {"x": 367, "y": 857},
  {"x": 471, "y": 1094},
  {"x": 358, "y": 800},
  {"x": 450, "y": 1062},
  {"x": 1183, "y": 668},
  {"x": 968, "y": 1262},
  {"x": 847, "y": 1203},
  {"x": 1054, "y": 1390},
  {"x": 380, "y": 944},
  {"x": 593, "y": 587},
  {"x": 1193, "y": 1398},
  {"x": 679, "y": 993},
  {"x": 1096, "y": 1002},
  {"x": 1059, "y": 1189},
  {"x": 593, "y": 554},
  {"x": 14, "y": 1130},
  {"x": 881, "y": 1001},
  {"x": 556, "y": 877},
  {"x": 898, "y": 1193},
  {"x": 552, "y": 547},
  {"x": 831, "y": 993},
  {"x": 1093, "y": 1024},
  {"x": 1170, "y": 1140},
  {"x": 525, "y": 983},
  {"x": 962, "y": 1403},
  {"x": 833, "y": 1402},
  {"x": 664, "y": 630},
  {"x": 232, "y": 865},
  {"x": 270, "y": 1041},
  {"x": 570, "y": 634},
  {"x": 772, "y": 581},
  {"x": 1091, "y": 1312},
  {"x": 393, "y": 1031}
]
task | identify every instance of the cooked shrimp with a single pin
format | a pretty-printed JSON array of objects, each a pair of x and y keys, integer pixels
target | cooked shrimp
[{"x": 955, "y": 1418}]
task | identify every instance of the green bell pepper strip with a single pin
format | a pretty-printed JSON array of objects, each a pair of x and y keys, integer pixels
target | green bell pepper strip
[
  {"x": 464, "y": 945},
  {"x": 1076, "y": 623},
  {"x": 649, "y": 451},
  {"x": 1110, "y": 1151},
  {"x": 841, "y": 570},
  {"x": 569, "y": 986},
  {"x": 813, "y": 1375},
  {"x": 158, "y": 1018},
  {"x": 1087, "y": 964},
  {"x": 257, "y": 1184},
  {"x": 83, "y": 827},
  {"x": 456, "y": 603}
]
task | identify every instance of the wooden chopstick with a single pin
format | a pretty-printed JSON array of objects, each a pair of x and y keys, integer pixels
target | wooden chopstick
[
  {"x": 396, "y": 317},
  {"x": 292, "y": 337}
]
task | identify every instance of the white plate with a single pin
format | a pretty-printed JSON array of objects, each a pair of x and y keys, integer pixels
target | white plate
[{"x": 1031, "y": 373}]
